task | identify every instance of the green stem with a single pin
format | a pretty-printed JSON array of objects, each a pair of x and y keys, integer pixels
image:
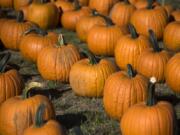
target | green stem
[
  {"x": 133, "y": 32},
  {"x": 91, "y": 57},
  {"x": 150, "y": 4},
  {"x": 107, "y": 19},
  {"x": 60, "y": 40},
  {"x": 3, "y": 62},
  {"x": 151, "y": 100},
  {"x": 130, "y": 71},
  {"x": 154, "y": 41},
  {"x": 36, "y": 30},
  {"x": 39, "y": 122},
  {"x": 20, "y": 16}
]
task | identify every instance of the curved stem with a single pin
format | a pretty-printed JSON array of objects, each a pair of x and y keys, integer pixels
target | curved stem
[
  {"x": 154, "y": 41},
  {"x": 133, "y": 31},
  {"x": 20, "y": 16},
  {"x": 107, "y": 19},
  {"x": 39, "y": 116},
  {"x": 3, "y": 62},
  {"x": 130, "y": 71},
  {"x": 37, "y": 30},
  {"x": 91, "y": 57},
  {"x": 150, "y": 4},
  {"x": 60, "y": 40},
  {"x": 151, "y": 92}
]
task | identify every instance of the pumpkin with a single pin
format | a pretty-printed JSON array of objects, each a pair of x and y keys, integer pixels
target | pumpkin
[
  {"x": 11, "y": 83},
  {"x": 121, "y": 13},
  {"x": 86, "y": 23},
  {"x": 90, "y": 80},
  {"x": 64, "y": 5},
  {"x": 6, "y": 3},
  {"x": 32, "y": 43},
  {"x": 102, "y": 39},
  {"x": 21, "y": 110},
  {"x": 144, "y": 3},
  {"x": 172, "y": 36},
  {"x": 169, "y": 9},
  {"x": 21, "y": 3},
  {"x": 55, "y": 62},
  {"x": 129, "y": 47},
  {"x": 2, "y": 21},
  {"x": 12, "y": 31},
  {"x": 40, "y": 127},
  {"x": 122, "y": 90},
  {"x": 69, "y": 19},
  {"x": 176, "y": 15},
  {"x": 172, "y": 73},
  {"x": 152, "y": 62},
  {"x": 102, "y": 6},
  {"x": 84, "y": 2},
  {"x": 45, "y": 14},
  {"x": 154, "y": 18},
  {"x": 150, "y": 117}
]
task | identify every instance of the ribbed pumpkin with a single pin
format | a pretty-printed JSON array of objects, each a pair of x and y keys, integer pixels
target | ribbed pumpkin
[
  {"x": 121, "y": 13},
  {"x": 172, "y": 36},
  {"x": 129, "y": 47},
  {"x": 69, "y": 19},
  {"x": 55, "y": 62},
  {"x": 86, "y": 23},
  {"x": 34, "y": 41},
  {"x": 40, "y": 127},
  {"x": 176, "y": 15},
  {"x": 11, "y": 83},
  {"x": 21, "y": 3},
  {"x": 102, "y": 6},
  {"x": 64, "y": 5},
  {"x": 172, "y": 74},
  {"x": 18, "y": 112},
  {"x": 12, "y": 31},
  {"x": 88, "y": 76},
  {"x": 2, "y": 21},
  {"x": 122, "y": 90},
  {"x": 152, "y": 62},
  {"x": 154, "y": 18},
  {"x": 6, "y": 3},
  {"x": 102, "y": 39},
  {"x": 149, "y": 118},
  {"x": 43, "y": 13}
]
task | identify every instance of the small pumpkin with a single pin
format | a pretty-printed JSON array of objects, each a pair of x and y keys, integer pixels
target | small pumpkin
[
  {"x": 55, "y": 62},
  {"x": 88, "y": 76},
  {"x": 150, "y": 117},
  {"x": 64, "y": 5},
  {"x": 86, "y": 23},
  {"x": 6, "y": 3},
  {"x": 176, "y": 15},
  {"x": 152, "y": 62},
  {"x": 51, "y": 127},
  {"x": 12, "y": 31},
  {"x": 129, "y": 47},
  {"x": 121, "y": 13},
  {"x": 172, "y": 74},
  {"x": 43, "y": 13},
  {"x": 34, "y": 41},
  {"x": 21, "y": 111},
  {"x": 122, "y": 90},
  {"x": 154, "y": 18},
  {"x": 172, "y": 36}
]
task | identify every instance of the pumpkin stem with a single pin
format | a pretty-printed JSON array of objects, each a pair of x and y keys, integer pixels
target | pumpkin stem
[
  {"x": 36, "y": 30},
  {"x": 60, "y": 40},
  {"x": 130, "y": 71},
  {"x": 107, "y": 19},
  {"x": 39, "y": 116},
  {"x": 4, "y": 59},
  {"x": 91, "y": 57},
  {"x": 20, "y": 16},
  {"x": 150, "y": 4},
  {"x": 133, "y": 32},
  {"x": 151, "y": 92},
  {"x": 77, "y": 5},
  {"x": 154, "y": 41}
]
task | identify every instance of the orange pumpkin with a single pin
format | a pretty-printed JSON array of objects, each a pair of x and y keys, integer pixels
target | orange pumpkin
[
  {"x": 150, "y": 117},
  {"x": 152, "y": 62},
  {"x": 144, "y": 3},
  {"x": 129, "y": 47},
  {"x": 18, "y": 4},
  {"x": 172, "y": 74},
  {"x": 59, "y": 60},
  {"x": 32, "y": 43},
  {"x": 176, "y": 15},
  {"x": 169, "y": 9},
  {"x": 88, "y": 76},
  {"x": 20, "y": 112},
  {"x": 121, "y": 13},
  {"x": 172, "y": 36},
  {"x": 64, "y": 5},
  {"x": 12, "y": 31},
  {"x": 46, "y": 15},
  {"x": 6, "y": 3},
  {"x": 84, "y": 2}
]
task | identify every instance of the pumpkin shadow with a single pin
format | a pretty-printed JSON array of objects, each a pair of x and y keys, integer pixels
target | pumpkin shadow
[{"x": 170, "y": 98}]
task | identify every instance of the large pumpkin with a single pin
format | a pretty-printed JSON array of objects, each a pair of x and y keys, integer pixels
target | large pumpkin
[
  {"x": 121, "y": 13},
  {"x": 154, "y": 18},
  {"x": 45, "y": 14},
  {"x": 17, "y": 113},
  {"x": 150, "y": 117},
  {"x": 88, "y": 76},
  {"x": 152, "y": 62},
  {"x": 129, "y": 47},
  {"x": 122, "y": 90},
  {"x": 6, "y": 3},
  {"x": 172, "y": 36},
  {"x": 172, "y": 74},
  {"x": 12, "y": 31},
  {"x": 32, "y": 43},
  {"x": 55, "y": 62}
]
